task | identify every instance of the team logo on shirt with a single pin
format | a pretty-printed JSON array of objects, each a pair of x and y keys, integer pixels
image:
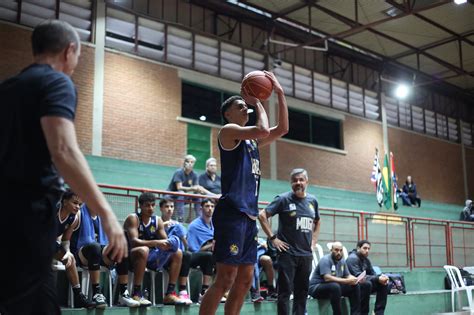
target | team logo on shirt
[
  {"x": 251, "y": 145},
  {"x": 304, "y": 224},
  {"x": 292, "y": 213},
  {"x": 311, "y": 206},
  {"x": 233, "y": 249},
  {"x": 152, "y": 229},
  {"x": 292, "y": 206},
  {"x": 190, "y": 182}
]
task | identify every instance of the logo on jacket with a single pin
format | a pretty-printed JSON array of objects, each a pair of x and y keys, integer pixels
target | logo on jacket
[{"x": 233, "y": 249}]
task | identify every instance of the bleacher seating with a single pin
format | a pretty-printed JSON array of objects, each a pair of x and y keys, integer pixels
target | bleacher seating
[
  {"x": 153, "y": 176},
  {"x": 425, "y": 286}
]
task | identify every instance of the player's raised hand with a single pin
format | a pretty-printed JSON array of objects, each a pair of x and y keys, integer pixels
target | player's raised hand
[
  {"x": 117, "y": 248},
  {"x": 276, "y": 85}
]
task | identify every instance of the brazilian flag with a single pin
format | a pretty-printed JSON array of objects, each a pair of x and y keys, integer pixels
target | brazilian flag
[{"x": 387, "y": 184}]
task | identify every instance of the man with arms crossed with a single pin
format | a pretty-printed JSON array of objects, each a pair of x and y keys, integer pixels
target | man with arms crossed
[
  {"x": 298, "y": 231},
  {"x": 37, "y": 146},
  {"x": 235, "y": 228}
]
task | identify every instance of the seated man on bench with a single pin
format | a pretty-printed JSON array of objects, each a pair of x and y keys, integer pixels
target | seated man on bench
[{"x": 331, "y": 280}]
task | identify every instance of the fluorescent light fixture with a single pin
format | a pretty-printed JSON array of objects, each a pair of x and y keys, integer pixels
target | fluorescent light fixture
[
  {"x": 460, "y": 1},
  {"x": 202, "y": 118},
  {"x": 401, "y": 91}
]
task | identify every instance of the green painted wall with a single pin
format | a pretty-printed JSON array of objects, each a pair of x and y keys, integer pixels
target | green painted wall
[{"x": 153, "y": 176}]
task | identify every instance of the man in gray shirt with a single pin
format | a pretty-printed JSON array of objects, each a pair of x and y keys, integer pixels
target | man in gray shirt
[
  {"x": 358, "y": 262},
  {"x": 298, "y": 231},
  {"x": 331, "y": 280}
]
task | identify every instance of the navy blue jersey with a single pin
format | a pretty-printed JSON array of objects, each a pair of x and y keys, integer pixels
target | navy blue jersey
[
  {"x": 63, "y": 225},
  {"x": 36, "y": 92},
  {"x": 148, "y": 232},
  {"x": 240, "y": 176},
  {"x": 295, "y": 221}
]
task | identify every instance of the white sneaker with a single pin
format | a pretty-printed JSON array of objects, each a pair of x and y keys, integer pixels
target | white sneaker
[
  {"x": 141, "y": 300},
  {"x": 184, "y": 296},
  {"x": 127, "y": 300}
]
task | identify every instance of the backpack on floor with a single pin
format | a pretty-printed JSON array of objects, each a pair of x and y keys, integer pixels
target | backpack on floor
[{"x": 396, "y": 283}]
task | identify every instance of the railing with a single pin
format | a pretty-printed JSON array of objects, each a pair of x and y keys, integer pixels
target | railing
[{"x": 397, "y": 241}]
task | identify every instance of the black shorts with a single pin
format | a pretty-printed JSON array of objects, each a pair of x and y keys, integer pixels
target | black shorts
[{"x": 235, "y": 234}]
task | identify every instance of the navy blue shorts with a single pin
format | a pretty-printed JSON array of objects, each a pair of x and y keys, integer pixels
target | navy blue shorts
[{"x": 236, "y": 236}]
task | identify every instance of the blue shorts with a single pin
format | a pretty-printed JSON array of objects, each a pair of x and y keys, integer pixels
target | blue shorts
[
  {"x": 235, "y": 235},
  {"x": 157, "y": 258}
]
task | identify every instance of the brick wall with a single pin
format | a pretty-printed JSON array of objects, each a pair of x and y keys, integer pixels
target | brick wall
[
  {"x": 435, "y": 165},
  {"x": 470, "y": 172},
  {"x": 141, "y": 103},
  {"x": 351, "y": 171},
  {"x": 15, "y": 54}
]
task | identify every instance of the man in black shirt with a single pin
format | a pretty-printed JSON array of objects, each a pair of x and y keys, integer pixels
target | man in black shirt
[
  {"x": 332, "y": 280},
  {"x": 358, "y": 262},
  {"x": 38, "y": 140},
  {"x": 298, "y": 231}
]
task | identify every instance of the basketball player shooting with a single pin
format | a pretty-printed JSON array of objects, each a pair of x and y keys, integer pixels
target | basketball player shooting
[{"x": 234, "y": 219}]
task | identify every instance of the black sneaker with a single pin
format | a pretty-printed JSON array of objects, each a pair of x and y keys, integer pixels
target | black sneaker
[
  {"x": 255, "y": 296},
  {"x": 272, "y": 295},
  {"x": 81, "y": 301},
  {"x": 99, "y": 300}
]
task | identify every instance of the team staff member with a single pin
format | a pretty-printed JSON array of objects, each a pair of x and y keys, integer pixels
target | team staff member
[
  {"x": 38, "y": 145},
  {"x": 298, "y": 232}
]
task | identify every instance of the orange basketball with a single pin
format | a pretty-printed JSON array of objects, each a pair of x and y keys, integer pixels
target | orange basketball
[{"x": 256, "y": 84}]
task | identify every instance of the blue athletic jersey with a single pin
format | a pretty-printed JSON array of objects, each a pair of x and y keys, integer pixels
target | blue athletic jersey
[
  {"x": 240, "y": 176},
  {"x": 147, "y": 232},
  {"x": 63, "y": 225}
]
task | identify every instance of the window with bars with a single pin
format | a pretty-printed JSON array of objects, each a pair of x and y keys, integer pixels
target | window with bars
[
  {"x": 204, "y": 104},
  {"x": 314, "y": 129}
]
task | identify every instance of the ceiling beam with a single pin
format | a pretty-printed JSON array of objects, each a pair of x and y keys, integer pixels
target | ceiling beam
[
  {"x": 373, "y": 60},
  {"x": 290, "y": 9},
  {"x": 432, "y": 57},
  {"x": 407, "y": 9},
  {"x": 361, "y": 27},
  {"x": 441, "y": 27},
  {"x": 432, "y": 45},
  {"x": 393, "y": 39}
]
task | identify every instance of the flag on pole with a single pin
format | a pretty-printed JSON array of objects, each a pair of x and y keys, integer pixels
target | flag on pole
[
  {"x": 376, "y": 178},
  {"x": 387, "y": 184},
  {"x": 394, "y": 182}
]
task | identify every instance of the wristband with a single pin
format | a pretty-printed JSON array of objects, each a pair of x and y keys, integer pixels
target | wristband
[{"x": 272, "y": 237}]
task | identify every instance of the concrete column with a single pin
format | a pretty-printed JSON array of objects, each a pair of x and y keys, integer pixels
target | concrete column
[{"x": 98, "y": 102}]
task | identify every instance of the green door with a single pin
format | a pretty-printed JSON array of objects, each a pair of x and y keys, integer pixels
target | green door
[{"x": 199, "y": 144}]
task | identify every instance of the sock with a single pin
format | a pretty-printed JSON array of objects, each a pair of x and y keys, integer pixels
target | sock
[
  {"x": 95, "y": 289},
  {"x": 204, "y": 289},
  {"x": 76, "y": 290},
  {"x": 123, "y": 287},
  {"x": 182, "y": 287},
  {"x": 137, "y": 290},
  {"x": 170, "y": 288}
]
